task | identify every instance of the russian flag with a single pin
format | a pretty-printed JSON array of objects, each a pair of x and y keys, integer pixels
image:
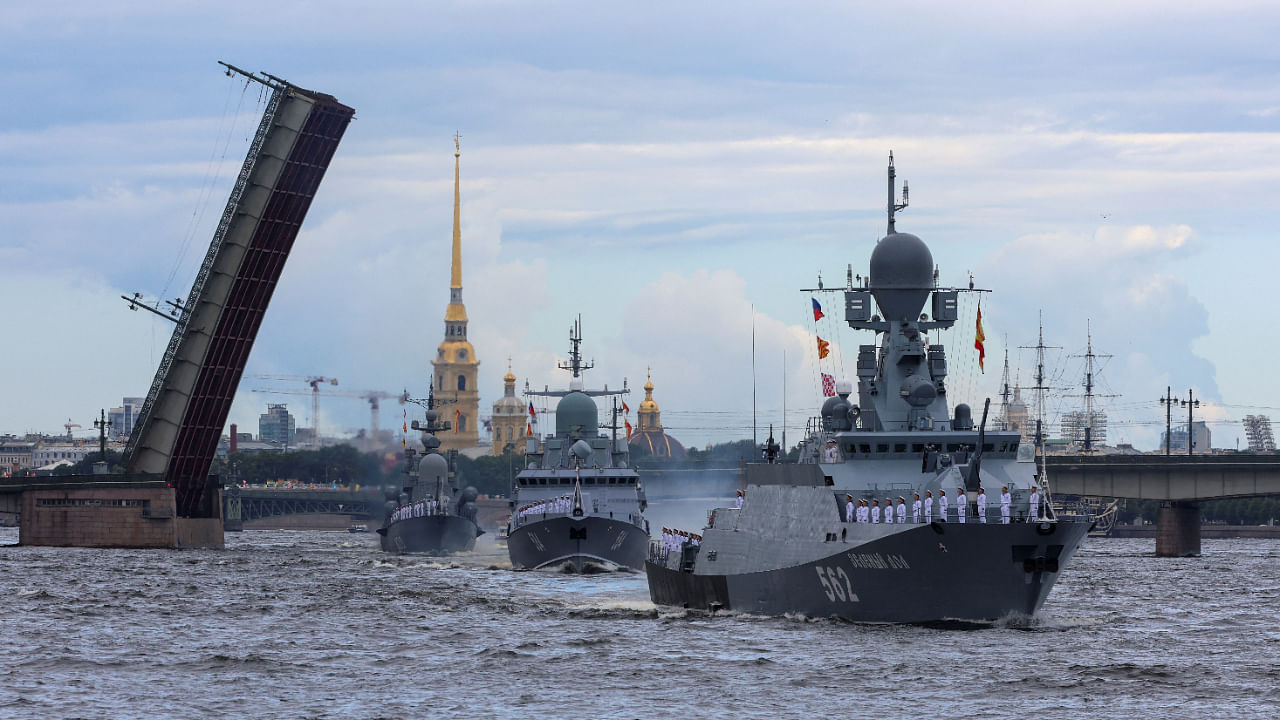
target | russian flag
[{"x": 817, "y": 310}]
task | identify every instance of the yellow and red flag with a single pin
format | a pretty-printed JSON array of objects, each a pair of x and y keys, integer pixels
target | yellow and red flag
[
  {"x": 628, "y": 423},
  {"x": 824, "y": 348},
  {"x": 977, "y": 341}
]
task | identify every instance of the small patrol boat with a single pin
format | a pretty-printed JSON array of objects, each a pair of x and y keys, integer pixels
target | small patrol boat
[
  {"x": 801, "y": 541},
  {"x": 429, "y": 515},
  {"x": 578, "y": 505}
]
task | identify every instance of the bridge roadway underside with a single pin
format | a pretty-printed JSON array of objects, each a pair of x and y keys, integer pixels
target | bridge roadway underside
[
  {"x": 245, "y": 504},
  {"x": 1180, "y": 482}
]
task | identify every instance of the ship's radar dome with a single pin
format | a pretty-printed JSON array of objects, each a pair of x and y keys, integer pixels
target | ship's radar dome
[
  {"x": 433, "y": 467},
  {"x": 576, "y": 412},
  {"x": 581, "y": 449},
  {"x": 576, "y": 384},
  {"x": 901, "y": 276},
  {"x": 844, "y": 387},
  {"x": 469, "y": 494},
  {"x": 835, "y": 413},
  {"x": 918, "y": 391},
  {"x": 430, "y": 442},
  {"x": 964, "y": 417}
]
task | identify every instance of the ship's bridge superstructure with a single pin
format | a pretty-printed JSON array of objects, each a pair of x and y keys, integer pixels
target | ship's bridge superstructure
[{"x": 899, "y": 429}]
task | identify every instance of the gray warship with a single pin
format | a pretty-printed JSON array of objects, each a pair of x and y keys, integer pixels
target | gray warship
[
  {"x": 577, "y": 504},
  {"x": 429, "y": 514},
  {"x": 799, "y": 541}
]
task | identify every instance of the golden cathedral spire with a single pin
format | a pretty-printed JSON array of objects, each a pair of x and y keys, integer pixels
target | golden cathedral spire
[
  {"x": 456, "y": 365},
  {"x": 456, "y": 276}
]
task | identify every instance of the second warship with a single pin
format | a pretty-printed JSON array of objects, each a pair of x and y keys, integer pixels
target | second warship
[
  {"x": 807, "y": 538},
  {"x": 429, "y": 515},
  {"x": 578, "y": 503}
]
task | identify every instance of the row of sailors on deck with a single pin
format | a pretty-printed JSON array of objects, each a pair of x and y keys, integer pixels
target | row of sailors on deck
[
  {"x": 675, "y": 539},
  {"x": 418, "y": 509},
  {"x": 922, "y": 509},
  {"x": 562, "y": 504}
]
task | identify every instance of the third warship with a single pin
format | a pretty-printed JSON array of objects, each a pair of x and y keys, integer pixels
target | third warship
[
  {"x": 578, "y": 502},
  {"x": 800, "y": 540},
  {"x": 429, "y": 515}
]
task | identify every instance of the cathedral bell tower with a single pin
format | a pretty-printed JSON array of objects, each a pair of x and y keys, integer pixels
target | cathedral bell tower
[{"x": 456, "y": 365}]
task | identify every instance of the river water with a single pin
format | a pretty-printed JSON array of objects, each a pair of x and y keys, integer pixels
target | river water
[{"x": 313, "y": 624}]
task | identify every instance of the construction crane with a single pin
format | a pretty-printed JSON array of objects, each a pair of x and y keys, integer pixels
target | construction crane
[
  {"x": 68, "y": 425},
  {"x": 373, "y": 397},
  {"x": 315, "y": 381}
]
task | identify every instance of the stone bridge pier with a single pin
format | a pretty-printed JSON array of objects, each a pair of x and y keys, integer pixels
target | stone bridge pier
[{"x": 1178, "y": 529}]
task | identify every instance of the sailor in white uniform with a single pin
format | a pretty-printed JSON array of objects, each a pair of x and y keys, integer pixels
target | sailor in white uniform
[
  {"x": 928, "y": 506},
  {"x": 848, "y": 508},
  {"x": 1033, "y": 503},
  {"x": 902, "y": 510},
  {"x": 864, "y": 513},
  {"x": 875, "y": 511},
  {"x": 738, "y": 502},
  {"x": 942, "y": 505},
  {"x": 888, "y": 511},
  {"x": 982, "y": 505},
  {"x": 962, "y": 505},
  {"x": 915, "y": 509},
  {"x": 1005, "y": 502}
]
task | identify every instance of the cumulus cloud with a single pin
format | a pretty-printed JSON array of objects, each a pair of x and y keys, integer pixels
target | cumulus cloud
[{"x": 1115, "y": 284}]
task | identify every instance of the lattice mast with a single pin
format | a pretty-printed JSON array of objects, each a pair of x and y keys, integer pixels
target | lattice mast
[{"x": 1091, "y": 424}]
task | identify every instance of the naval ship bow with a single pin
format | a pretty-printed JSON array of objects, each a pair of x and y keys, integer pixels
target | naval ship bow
[
  {"x": 578, "y": 503},
  {"x": 809, "y": 538},
  {"x": 429, "y": 514}
]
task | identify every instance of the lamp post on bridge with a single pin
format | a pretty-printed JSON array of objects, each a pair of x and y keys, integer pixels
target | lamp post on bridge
[
  {"x": 1190, "y": 405},
  {"x": 1168, "y": 401}
]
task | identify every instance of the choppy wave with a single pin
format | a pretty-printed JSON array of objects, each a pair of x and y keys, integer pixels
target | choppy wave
[{"x": 314, "y": 624}]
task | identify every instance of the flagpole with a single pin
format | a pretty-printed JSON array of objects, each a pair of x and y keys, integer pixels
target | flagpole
[
  {"x": 784, "y": 403},
  {"x": 754, "y": 439}
]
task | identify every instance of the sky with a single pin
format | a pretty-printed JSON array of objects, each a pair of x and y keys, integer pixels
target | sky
[{"x": 673, "y": 173}]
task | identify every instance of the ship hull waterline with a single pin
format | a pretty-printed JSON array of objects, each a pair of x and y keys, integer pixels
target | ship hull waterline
[
  {"x": 929, "y": 573},
  {"x": 430, "y": 535},
  {"x": 557, "y": 541}
]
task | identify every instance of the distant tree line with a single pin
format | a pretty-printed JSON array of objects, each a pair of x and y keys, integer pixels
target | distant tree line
[
  {"x": 336, "y": 464},
  {"x": 1235, "y": 511}
]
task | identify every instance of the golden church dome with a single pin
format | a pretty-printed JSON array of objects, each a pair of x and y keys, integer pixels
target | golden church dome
[
  {"x": 648, "y": 405},
  {"x": 648, "y": 433}
]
